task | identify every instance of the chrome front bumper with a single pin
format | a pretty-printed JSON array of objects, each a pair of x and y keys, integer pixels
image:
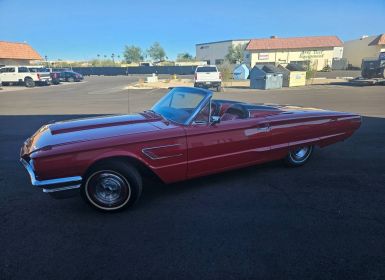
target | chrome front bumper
[{"x": 52, "y": 185}]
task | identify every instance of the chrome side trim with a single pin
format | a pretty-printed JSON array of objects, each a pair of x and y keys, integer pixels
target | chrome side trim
[
  {"x": 52, "y": 183},
  {"x": 253, "y": 131},
  {"x": 147, "y": 152},
  {"x": 349, "y": 118},
  {"x": 61, "y": 189}
]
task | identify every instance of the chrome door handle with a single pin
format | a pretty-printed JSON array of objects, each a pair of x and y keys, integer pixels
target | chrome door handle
[{"x": 265, "y": 128}]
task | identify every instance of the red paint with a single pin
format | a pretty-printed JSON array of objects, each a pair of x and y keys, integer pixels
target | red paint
[{"x": 176, "y": 152}]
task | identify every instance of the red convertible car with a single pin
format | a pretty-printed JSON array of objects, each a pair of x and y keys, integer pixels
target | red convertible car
[{"x": 185, "y": 135}]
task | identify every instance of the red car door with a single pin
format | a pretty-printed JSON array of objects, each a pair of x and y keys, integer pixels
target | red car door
[{"x": 229, "y": 144}]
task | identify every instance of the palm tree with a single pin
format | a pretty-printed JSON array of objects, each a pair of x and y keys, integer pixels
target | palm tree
[
  {"x": 98, "y": 56},
  {"x": 112, "y": 56}
]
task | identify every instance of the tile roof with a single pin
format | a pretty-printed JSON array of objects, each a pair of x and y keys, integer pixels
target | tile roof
[
  {"x": 18, "y": 51},
  {"x": 294, "y": 43},
  {"x": 380, "y": 40}
]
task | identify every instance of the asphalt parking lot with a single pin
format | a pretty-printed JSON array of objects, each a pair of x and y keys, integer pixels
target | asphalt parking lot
[{"x": 325, "y": 220}]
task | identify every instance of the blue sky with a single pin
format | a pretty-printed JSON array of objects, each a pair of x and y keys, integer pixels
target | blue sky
[{"x": 82, "y": 29}]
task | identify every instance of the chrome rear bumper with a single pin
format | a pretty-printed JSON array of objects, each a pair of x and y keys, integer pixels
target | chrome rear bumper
[{"x": 52, "y": 185}]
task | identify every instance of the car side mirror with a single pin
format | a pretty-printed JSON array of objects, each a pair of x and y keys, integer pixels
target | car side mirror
[{"x": 215, "y": 120}]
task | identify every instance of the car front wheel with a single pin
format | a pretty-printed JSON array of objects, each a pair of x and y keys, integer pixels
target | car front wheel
[
  {"x": 299, "y": 156},
  {"x": 112, "y": 186}
]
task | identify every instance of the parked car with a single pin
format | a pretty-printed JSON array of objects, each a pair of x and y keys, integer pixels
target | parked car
[
  {"x": 42, "y": 71},
  {"x": 28, "y": 75},
  {"x": 185, "y": 135},
  {"x": 373, "y": 68},
  {"x": 208, "y": 76},
  {"x": 60, "y": 69},
  {"x": 55, "y": 76},
  {"x": 70, "y": 76}
]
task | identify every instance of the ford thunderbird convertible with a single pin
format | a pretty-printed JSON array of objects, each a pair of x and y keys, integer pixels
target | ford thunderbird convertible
[{"x": 186, "y": 134}]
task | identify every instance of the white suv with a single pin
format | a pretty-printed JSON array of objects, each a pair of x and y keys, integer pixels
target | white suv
[{"x": 29, "y": 75}]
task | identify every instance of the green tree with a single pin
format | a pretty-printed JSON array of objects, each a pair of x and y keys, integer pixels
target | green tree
[
  {"x": 156, "y": 52},
  {"x": 225, "y": 69},
  {"x": 236, "y": 54},
  {"x": 184, "y": 57},
  {"x": 133, "y": 54}
]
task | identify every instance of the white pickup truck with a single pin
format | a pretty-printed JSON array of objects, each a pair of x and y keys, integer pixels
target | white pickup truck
[
  {"x": 208, "y": 76},
  {"x": 29, "y": 75}
]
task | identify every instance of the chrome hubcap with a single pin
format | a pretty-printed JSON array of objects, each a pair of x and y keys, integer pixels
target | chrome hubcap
[
  {"x": 301, "y": 152},
  {"x": 108, "y": 189}
]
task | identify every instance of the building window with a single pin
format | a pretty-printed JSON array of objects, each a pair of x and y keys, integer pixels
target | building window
[{"x": 219, "y": 61}]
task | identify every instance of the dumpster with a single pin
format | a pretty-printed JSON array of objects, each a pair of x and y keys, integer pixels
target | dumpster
[
  {"x": 294, "y": 75},
  {"x": 241, "y": 72},
  {"x": 265, "y": 77}
]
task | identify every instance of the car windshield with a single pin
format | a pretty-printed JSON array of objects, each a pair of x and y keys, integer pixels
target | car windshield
[
  {"x": 207, "y": 69},
  {"x": 180, "y": 104}
]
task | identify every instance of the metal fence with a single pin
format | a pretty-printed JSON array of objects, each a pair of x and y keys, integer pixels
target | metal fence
[{"x": 115, "y": 71}]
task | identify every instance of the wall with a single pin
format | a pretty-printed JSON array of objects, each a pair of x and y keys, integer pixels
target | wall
[
  {"x": 115, "y": 71},
  {"x": 356, "y": 50},
  {"x": 190, "y": 63},
  {"x": 321, "y": 56},
  {"x": 5, "y": 61},
  {"x": 216, "y": 50}
]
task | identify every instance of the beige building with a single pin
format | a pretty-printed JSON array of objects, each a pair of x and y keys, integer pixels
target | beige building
[
  {"x": 319, "y": 51},
  {"x": 215, "y": 52},
  {"x": 17, "y": 54},
  {"x": 365, "y": 47}
]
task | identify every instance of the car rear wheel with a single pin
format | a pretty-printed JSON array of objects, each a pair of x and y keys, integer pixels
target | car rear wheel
[
  {"x": 29, "y": 82},
  {"x": 112, "y": 186},
  {"x": 299, "y": 156}
]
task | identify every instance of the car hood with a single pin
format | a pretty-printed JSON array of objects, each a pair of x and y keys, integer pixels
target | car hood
[{"x": 88, "y": 129}]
